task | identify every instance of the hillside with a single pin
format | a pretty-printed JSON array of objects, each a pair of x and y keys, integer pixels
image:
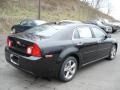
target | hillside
[{"x": 12, "y": 11}]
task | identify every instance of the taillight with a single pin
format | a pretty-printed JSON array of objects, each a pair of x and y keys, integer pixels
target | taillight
[
  {"x": 34, "y": 50},
  {"x": 9, "y": 42}
]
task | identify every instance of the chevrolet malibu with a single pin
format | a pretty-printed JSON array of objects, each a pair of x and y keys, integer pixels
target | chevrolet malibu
[{"x": 58, "y": 50}]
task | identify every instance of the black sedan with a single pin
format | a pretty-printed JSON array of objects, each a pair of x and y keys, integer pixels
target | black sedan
[
  {"x": 115, "y": 25},
  {"x": 106, "y": 28},
  {"x": 58, "y": 50},
  {"x": 25, "y": 25}
]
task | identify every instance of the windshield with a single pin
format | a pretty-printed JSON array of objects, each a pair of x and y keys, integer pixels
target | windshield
[
  {"x": 37, "y": 22},
  {"x": 99, "y": 23},
  {"x": 43, "y": 31}
]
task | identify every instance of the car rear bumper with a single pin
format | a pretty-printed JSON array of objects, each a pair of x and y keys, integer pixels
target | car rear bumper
[
  {"x": 33, "y": 65},
  {"x": 115, "y": 28},
  {"x": 108, "y": 29}
]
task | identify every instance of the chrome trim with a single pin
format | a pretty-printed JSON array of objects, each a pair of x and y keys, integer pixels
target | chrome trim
[
  {"x": 89, "y": 52},
  {"x": 11, "y": 60},
  {"x": 94, "y": 61}
]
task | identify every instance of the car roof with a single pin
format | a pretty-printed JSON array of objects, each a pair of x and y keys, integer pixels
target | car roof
[
  {"x": 58, "y": 25},
  {"x": 70, "y": 21},
  {"x": 38, "y": 22}
]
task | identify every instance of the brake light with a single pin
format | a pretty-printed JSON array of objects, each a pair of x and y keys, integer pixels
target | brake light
[
  {"x": 9, "y": 42},
  {"x": 34, "y": 50}
]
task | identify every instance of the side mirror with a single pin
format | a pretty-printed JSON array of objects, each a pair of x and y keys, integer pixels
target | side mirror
[{"x": 108, "y": 36}]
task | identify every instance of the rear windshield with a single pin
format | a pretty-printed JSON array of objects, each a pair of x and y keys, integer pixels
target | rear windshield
[{"x": 43, "y": 31}]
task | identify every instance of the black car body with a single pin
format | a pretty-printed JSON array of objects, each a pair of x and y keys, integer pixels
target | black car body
[
  {"x": 25, "y": 25},
  {"x": 114, "y": 28},
  {"x": 115, "y": 25},
  {"x": 106, "y": 28},
  {"x": 44, "y": 50}
]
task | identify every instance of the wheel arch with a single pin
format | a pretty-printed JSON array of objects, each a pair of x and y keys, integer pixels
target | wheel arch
[
  {"x": 76, "y": 57},
  {"x": 70, "y": 52},
  {"x": 116, "y": 45}
]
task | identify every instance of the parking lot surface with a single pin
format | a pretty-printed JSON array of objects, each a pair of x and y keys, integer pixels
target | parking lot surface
[{"x": 102, "y": 75}]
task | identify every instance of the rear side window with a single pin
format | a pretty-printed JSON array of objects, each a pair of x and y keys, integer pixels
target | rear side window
[
  {"x": 27, "y": 23},
  {"x": 43, "y": 31},
  {"x": 85, "y": 32}
]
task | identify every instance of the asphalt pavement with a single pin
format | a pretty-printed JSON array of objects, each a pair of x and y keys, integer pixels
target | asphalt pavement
[{"x": 102, "y": 75}]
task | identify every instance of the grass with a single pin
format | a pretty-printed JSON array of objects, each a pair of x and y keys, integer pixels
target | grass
[{"x": 14, "y": 12}]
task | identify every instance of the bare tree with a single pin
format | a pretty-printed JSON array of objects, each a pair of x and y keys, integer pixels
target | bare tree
[
  {"x": 39, "y": 9},
  {"x": 2, "y": 2},
  {"x": 109, "y": 7},
  {"x": 94, "y": 3},
  {"x": 97, "y": 4}
]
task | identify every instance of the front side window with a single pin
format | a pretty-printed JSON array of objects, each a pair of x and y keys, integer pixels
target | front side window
[
  {"x": 85, "y": 32},
  {"x": 44, "y": 31},
  {"x": 98, "y": 32},
  {"x": 26, "y": 23}
]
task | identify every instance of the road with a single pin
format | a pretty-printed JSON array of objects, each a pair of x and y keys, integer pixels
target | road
[{"x": 102, "y": 75}]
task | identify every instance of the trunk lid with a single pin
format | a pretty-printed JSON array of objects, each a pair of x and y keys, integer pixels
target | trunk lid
[{"x": 22, "y": 41}]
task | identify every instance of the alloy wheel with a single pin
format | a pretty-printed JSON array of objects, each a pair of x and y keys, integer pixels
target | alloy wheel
[
  {"x": 70, "y": 69},
  {"x": 113, "y": 52}
]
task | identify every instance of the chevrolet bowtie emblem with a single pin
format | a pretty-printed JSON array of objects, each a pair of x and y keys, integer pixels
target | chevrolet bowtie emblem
[{"x": 18, "y": 42}]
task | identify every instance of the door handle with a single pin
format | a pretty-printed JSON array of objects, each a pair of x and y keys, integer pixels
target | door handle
[
  {"x": 99, "y": 41},
  {"x": 79, "y": 43}
]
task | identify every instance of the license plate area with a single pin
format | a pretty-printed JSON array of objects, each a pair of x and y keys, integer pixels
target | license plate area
[{"x": 14, "y": 59}]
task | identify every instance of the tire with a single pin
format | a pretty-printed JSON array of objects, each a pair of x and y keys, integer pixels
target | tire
[
  {"x": 111, "y": 31},
  {"x": 68, "y": 69},
  {"x": 112, "y": 52}
]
